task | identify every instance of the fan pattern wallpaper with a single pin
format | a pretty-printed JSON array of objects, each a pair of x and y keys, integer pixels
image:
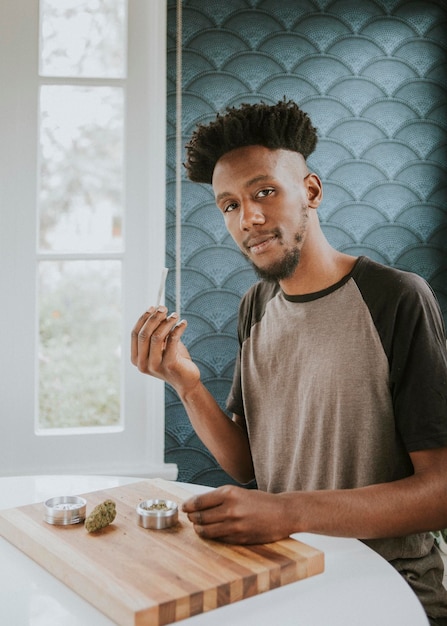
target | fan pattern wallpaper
[{"x": 372, "y": 74}]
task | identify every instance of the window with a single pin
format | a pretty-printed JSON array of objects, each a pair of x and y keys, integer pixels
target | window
[
  {"x": 82, "y": 238},
  {"x": 81, "y": 212}
]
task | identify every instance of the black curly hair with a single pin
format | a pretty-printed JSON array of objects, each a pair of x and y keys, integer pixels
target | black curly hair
[{"x": 282, "y": 125}]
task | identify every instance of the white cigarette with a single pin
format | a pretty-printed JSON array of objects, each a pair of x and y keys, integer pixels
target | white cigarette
[{"x": 161, "y": 289}]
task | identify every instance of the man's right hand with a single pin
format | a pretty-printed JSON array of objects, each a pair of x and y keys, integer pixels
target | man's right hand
[{"x": 156, "y": 349}]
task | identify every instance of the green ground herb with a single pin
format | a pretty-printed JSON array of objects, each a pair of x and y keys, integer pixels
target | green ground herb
[{"x": 157, "y": 506}]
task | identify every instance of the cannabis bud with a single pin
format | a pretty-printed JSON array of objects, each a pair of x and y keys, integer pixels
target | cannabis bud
[{"x": 101, "y": 516}]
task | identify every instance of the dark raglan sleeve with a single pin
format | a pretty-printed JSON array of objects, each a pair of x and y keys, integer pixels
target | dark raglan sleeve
[
  {"x": 408, "y": 319},
  {"x": 251, "y": 310},
  {"x": 235, "y": 401}
]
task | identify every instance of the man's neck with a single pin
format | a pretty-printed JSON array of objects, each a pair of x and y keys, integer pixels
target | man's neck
[{"x": 320, "y": 271}]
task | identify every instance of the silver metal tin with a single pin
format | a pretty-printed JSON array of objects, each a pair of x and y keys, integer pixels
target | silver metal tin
[
  {"x": 157, "y": 519},
  {"x": 65, "y": 510}
]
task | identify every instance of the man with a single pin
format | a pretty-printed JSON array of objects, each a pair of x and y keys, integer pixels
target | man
[{"x": 339, "y": 397}]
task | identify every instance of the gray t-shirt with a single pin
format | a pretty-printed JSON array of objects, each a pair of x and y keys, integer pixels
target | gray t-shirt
[{"x": 337, "y": 387}]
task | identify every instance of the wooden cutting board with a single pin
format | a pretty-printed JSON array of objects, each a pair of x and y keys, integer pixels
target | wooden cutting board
[{"x": 144, "y": 577}]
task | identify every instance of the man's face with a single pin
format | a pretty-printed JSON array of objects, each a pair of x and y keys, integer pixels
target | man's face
[{"x": 262, "y": 194}]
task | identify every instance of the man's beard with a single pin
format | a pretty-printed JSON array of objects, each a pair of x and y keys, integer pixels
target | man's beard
[{"x": 282, "y": 269}]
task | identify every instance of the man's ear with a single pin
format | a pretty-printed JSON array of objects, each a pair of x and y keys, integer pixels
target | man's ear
[{"x": 314, "y": 190}]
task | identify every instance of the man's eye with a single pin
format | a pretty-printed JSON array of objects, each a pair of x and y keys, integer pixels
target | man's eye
[
  {"x": 265, "y": 192},
  {"x": 229, "y": 207}
]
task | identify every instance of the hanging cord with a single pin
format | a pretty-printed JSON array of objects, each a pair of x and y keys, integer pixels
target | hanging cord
[{"x": 178, "y": 161}]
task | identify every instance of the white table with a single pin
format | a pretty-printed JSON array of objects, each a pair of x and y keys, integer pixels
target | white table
[{"x": 357, "y": 587}]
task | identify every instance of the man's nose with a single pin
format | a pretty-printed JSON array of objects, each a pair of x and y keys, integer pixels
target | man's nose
[{"x": 250, "y": 215}]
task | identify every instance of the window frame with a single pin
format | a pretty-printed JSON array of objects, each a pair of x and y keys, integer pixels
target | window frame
[{"x": 138, "y": 448}]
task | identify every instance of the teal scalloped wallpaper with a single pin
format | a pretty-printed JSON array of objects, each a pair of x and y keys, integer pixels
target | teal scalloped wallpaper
[{"x": 372, "y": 74}]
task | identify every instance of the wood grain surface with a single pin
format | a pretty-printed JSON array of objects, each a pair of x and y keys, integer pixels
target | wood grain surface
[{"x": 141, "y": 577}]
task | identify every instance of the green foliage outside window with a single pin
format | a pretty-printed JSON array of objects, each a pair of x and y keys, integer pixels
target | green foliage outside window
[{"x": 79, "y": 344}]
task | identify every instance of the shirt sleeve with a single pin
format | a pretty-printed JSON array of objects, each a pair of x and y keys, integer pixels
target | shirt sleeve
[
  {"x": 409, "y": 322},
  {"x": 235, "y": 403},
  {"x": 251, "y": 310}
]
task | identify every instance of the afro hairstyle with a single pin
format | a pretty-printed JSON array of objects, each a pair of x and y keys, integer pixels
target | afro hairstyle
[{"x": 280, "y": 126}]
